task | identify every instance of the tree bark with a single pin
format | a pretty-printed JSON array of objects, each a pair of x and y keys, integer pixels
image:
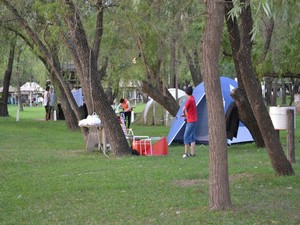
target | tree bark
[
  {"x": 86, "y": 62},
  {"x": 219, "y": 196},
  {"x": 194, "y": 65},
  {"x": 86, "y": 66},
  {"x": 283, "y": 92},
  {"x": 246, "y": 114},
  {"x": 173, "y": 61},
  {"x": 277, "y": 157},
  {"x": 268, "y": 36},
  {"x": 69, "y": 113},
  {"x": 274, "y": 92},
  {"x": 167, "y": 101},
  {"x": 69, "y": 106},
  {"x": 72, "y": 113},
  {"x": 20, "y": 106},
  {"x": 247, "y": 118},
  {"x": 153, "y": 86},
  {"x": 6, "y": 80},
  {"x": 268, "y": 88},
  {"x": 290, "y": 135}
]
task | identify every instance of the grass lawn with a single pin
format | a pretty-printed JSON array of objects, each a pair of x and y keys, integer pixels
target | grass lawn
[{"x": 47, "y": 177}]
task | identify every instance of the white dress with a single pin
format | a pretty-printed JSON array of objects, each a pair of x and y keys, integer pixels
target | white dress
[{"x": 46, "y": 98}]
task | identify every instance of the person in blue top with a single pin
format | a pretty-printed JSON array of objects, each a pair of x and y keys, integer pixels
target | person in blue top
[{"x": 51, "y": 102}]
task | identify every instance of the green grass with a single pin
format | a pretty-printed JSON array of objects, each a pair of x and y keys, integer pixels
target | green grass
[
  {"x": 47, "y": 177},
  {"x": 139, "y": 107}
]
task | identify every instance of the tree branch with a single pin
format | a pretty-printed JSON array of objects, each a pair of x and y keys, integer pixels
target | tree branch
[{"x": 99, "y": 30}]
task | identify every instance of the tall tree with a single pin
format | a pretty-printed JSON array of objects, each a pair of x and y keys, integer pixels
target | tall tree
[
  {"x": 151, "y": 45},
  {"x": 72, "y": 114},
  {"x": 274, "y": 148},
  {"x": 219, "y": 195},
  {"x": 246, "y": 114},
  {"x": 86, "y": 62},
  {"x": 157, "y": 29},
  {"x": 192, "y": 20},
  {"x": 7, "y": 77},
  {"x": 85, "y": 58}
]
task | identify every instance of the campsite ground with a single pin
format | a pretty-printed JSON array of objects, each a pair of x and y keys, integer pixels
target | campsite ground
[{"x": 47, "y": 177}]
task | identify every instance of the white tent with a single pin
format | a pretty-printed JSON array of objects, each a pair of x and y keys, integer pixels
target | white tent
[
  {"x": 12, "y": 94},
  {"x": 152, "y": 107},
  {"x": 31, "y": 87},
  {"x": 10, "y": 90}
]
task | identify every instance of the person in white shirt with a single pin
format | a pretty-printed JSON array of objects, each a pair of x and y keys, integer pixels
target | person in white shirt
[{"x": 46, "y": 104}]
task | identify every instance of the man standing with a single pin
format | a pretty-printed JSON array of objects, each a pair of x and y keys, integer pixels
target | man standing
[
  {"x": 51, "y": 103},
  {"x": 190, "y": 113}
]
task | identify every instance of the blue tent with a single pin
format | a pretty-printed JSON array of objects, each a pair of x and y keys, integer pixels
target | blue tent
[{"x": 177, "y": 129}]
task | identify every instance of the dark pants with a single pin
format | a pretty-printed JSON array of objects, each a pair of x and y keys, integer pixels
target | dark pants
[
  {"x": 128, "y": 115},
  {"x": 51, "y": 108},
  {"x": 47, "y": 109}
]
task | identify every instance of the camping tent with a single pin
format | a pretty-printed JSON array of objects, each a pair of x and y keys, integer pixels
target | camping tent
[
  {"x": 31, "y": 90},
  {"x": 154, "y": 112},
  {"x": 31, "y": 87},
  {"x": 11, "y": 94},
  {"x": 177, "y": 129},
  {"x": 11, "y": 89}
]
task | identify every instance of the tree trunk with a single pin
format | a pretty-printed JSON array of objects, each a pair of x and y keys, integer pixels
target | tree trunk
[
  {"x": 160, "y": 94},
  {"x": 268, "y": 88},
  {"x": 6, "y": 80},
  {"x": 69, "y": 106},
  {"x": 70, "y": 116},
  {"x": 173, "y": 61},
  {"x": 85, "y": 59},
  {"x": 167, "y": 101},
  {"x": 99, "y": 102},
  {"x": 86, "y": 62},
  {"x": 153, "y": 85},
  {"x": 219, "y": 196},
  {"x": 50, "y": 60},
  {"x": 244, "y": 109},
  {"x": 277, "y": 157},
  {"x": 283, "y": 92},
  {"x": 268, "y": 36},
  {"x": 194, "y": 65},
  {"x": 20, "y": 106},
  {"x": 274, "y": 92}
]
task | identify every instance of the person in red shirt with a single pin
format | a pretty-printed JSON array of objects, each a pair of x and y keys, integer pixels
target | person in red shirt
[
  {"x": 190, "y": 112},
  {"x": 126, "y": 110}
]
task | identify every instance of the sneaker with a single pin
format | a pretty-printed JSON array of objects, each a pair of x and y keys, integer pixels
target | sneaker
[
  {"x": 185, "y": 155},
  {"x": 192, "y": 155}
]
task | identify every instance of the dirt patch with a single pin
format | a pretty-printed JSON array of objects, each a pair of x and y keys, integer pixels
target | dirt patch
[
  {"x": 195, "y": 182},
  {"x": 240, "y": 176},
  {"x": 188, "y": 183}
]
